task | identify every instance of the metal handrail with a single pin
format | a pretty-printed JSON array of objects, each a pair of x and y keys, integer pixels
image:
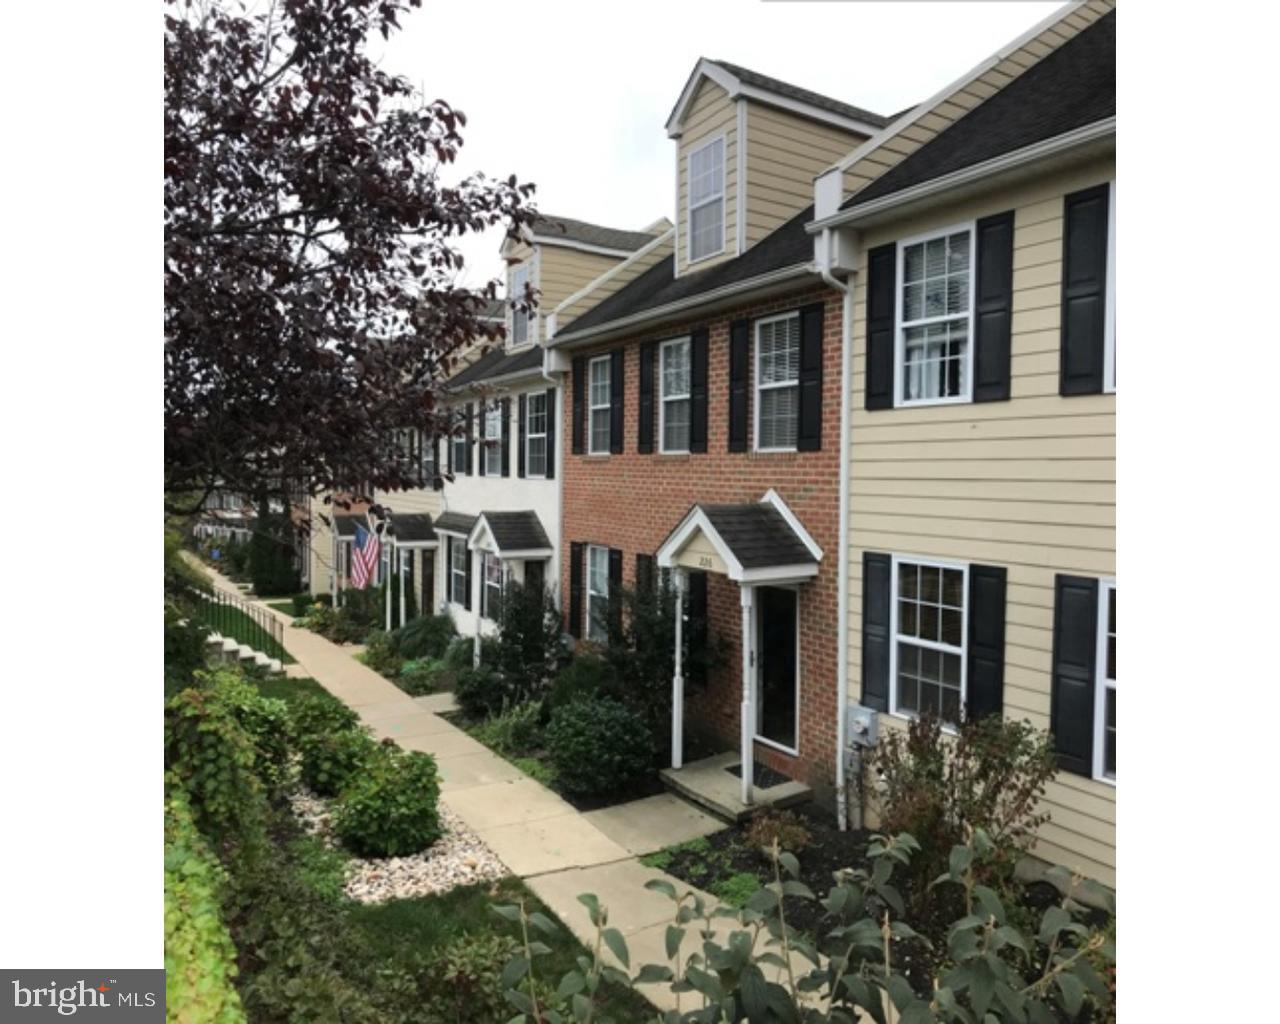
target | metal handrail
[{"x": 242, "y": 621}]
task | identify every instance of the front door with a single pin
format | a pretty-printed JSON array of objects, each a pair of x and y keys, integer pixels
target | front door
[{"x": 776, "y": 674}]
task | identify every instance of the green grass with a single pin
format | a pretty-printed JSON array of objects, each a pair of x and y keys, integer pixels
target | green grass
[
  {"x": 661, "y": 860},
  {"x": 240, "y": 627},
  {"x": 539, "y": 771},
  {"x": 289, "y": 689},
  {"x": 282, "y": 606},
  {"x": 432, "y": 922},
  {"x": 737, "y": 889}
]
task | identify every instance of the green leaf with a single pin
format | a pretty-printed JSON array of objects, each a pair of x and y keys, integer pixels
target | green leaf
[
  {"x": 961, "y": 858},
  {"x": 570, "y": 984},
  {"x": 900, "y": 991},
  {"x": 707, "y": 984},
  {"x": 581, "y": 1008},
  {"x": 798, "y": 889},
  {"x": 1072, "y": 992},
  {"x": 519, "y": 1000},
  {"x": 762, "y": 901},
  {"x": 754, "y": 992},
  {"x": 614, "y": 975},
  {"x": 989, "y": 902},
  {"x": 539, "y": 948},
  {"x": 1012, "y": 937},
  {"x": 517, "y": 967},
  {"x": 617, "y": 945},
  {"x": 675, "y": 936},
  {"x": 543, "y": 923},
  {"x": 507, "y": 911},
  {"x": 663, "y": 886},
  {"x": 592, "y": 904},
  {"x": 652, "y": 973},
  {"x": 1053, "y": 921},
  {"x": 789, "y": 863},
  {"x": 917, "y": 1012}
]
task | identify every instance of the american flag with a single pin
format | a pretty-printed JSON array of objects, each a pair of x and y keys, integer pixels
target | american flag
[{"x": 364, "y": 557}]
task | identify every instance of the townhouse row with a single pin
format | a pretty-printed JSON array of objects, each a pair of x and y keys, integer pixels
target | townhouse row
[{"x": 858, "y": 399}]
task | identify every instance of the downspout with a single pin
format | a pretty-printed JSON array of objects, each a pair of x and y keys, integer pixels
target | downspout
[{"x": 842, "y": 567}]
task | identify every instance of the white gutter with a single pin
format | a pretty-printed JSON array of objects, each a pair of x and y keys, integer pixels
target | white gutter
[
  {"x": 1037, "y": 151},
  {"x": 842, "y": 553}
]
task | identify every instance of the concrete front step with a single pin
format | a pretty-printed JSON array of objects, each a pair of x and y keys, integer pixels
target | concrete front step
[
  {"x": 230, "y": 651},
  {"x": 709, "y": 784}
]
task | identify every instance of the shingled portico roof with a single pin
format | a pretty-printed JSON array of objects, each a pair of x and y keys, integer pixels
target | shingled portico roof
[
  {"x": 513, "y": 534},
  {"x": 413, "y": 529},
  {"x": 455, "y": 522}
]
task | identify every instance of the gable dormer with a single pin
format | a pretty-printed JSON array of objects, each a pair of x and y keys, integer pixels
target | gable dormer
[{"x": 747, "y": 150}]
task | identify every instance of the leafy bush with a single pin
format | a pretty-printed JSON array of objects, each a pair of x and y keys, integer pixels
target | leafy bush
[
  {"x": 391, "y": 809},
  {"x": 530, "y": 645},
  {"x": 465, "y": 980},
  {"x": 184, "y": 648},
  {"x": 459, "y": 654},
  {"x": 586, "y": 676},
  {"x": 313, "y": 716},
  {"x": 332, "y": 761},
  {"x": 481, "y": 691},
  {"x": 990, "y": 776},
  {"x": 426, "y": 637},
  {"x": 514, "y": 732},
  {"x": 783, "y": 827},
  {"x": 265, "y": 720},
  {"x": 302, "y": 604},
  {"x": 271, "y": 553},
  {"x": 199, "y": 957},
  {"x": 424, "y": 676},
  {"x": 599, "y": 746},
  {"x": 380, "y": 655}
]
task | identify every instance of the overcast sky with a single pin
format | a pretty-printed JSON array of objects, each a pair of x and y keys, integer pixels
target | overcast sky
[{"x": 573, "y": 96}]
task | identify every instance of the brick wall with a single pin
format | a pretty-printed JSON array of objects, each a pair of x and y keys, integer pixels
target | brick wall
[{"x": 632, "y": 502}]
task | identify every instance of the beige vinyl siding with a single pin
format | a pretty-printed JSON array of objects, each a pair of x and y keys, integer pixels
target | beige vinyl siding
[
  {"x": 711, "y": 113},
  {"x": 1028, "y": 484},
  {"x": 321, "y": 546},
  {"x": 870, "y": 166},
  {"x": 784, "y": 154},
  {"x": 613, "y": 280},
  {"x": 563, "y": 271}
]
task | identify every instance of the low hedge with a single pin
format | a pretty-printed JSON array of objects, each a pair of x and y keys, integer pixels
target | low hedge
[
  {"x": 599, "y": 746},
  {"x": 391, "y": 809}
]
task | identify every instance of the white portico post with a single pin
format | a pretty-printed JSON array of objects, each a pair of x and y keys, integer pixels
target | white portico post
[
  {"x": 400, "y": 568},
  {"x": 748, "y": 707},
  {"x": 389, "y": 561},
  {"x": 677, "y": 680}
]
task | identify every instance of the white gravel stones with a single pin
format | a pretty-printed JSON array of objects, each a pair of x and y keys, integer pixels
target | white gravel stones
[{"x": 457, "y": 858}]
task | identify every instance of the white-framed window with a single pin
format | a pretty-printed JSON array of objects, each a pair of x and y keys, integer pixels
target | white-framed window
[
  {"x": 459, "y": 443},
  {"x": 515, "y": 293},
  {"x": 929, "y": 630},
  {"x": 597, "y": 593},
  {"x": 601, "y": 401},
  {"x": 427, "y": 455},
  {"x": 1109, "y": 336},
  {"x": 535, "y": 434},
  {"x": 1104, "y": 704},
  {"x": 493, "y": 439},
  {"x": 777, "y": 382},
  {"x": 458, "y": 555},
  {"x": 935, "y": 318},
  {"x": 491, "y": 605},
  {"x": 706, "y": 200},
  {"x": 675, "y": 376}
]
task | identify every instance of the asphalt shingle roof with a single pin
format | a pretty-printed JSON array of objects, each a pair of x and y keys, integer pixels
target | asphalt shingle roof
[
  {"x": 795, "y": 92},
  {"x": 346, "y": 525},
  {"x": 572, "y": 230},
  {"x": 516, "y": 531},
  {"x": 786, "y": 246},
  {"x": 412, "y": 527},
  {"x": 454, "y": 522},
  {"x": 1072, "y": 87},
  {"x": 497, "y": 362},
  {"x": 758, "y": 535}
]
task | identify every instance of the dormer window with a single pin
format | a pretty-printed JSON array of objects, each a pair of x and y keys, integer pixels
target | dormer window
[
  {"x": 519, "y": 318},
  {"x": 706, "y": 200}
]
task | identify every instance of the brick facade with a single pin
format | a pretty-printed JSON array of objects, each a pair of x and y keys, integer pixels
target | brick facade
[{"x": 632, "y": 502}]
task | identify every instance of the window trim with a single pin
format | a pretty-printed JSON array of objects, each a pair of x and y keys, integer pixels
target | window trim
[
  {"x": 900, "y": 327},
  {"x": 722, "y": 196},
  {"x": 455, "y": 571},
  {"x": 1106, "y": 591},
  {"x": 518, "y": 268},
  {"x": 939, "y": 563},
  {"x": 529, "y": 435},
  {"x": 492, "y": 446},
  {"x": 588, "y": 593},
  {"x": 1109, "y": 331},
  {"x": 486, "y": 585},
  {"x": 459, "y": 442},
  {"x": 757, "y": 386},
  {"x": 593, "y": 408},
  {"x": 663, "y": 398}
]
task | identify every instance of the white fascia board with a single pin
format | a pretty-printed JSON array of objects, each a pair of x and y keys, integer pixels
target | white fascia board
[
  {"x": 570, "y": 243},
  {"x": 481, "y": 538},
  {"x": 613, "y": 272},
  {"x": 779, "y": 574},
  {"x": 703, "y": 69},
  {"x": 773, "y": 498},
  {"x": 523, "y": 553},
  {"x": 1019, "y": 158}
]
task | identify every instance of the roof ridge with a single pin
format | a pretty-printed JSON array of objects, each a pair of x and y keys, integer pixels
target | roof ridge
[{"x": 779, "y": 85}]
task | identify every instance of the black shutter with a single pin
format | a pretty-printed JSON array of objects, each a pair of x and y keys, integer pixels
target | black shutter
[
  {"x": 470, "y": 558},
  {"x": 644, "y": 571},
  {"x": 1084, "y": 291},
  {"x": 698, "y": 390},
  {"x": 552, "y": 413},
  {"x": 739, "y": 360},
  {"x": 577, "y": 556},
  {"x": 520, "y": 413},
  {"x": 809, "y": 420},
  {"x": 994, "y": 308},
  {"x": 437, "y": 482},
  {"x": 881, "y": 270},
  {"x": 644, "y": 432},
  {"x": 616, "y": 384},
  {"x": 987, "y": 584},
  {"x": 579, "y": 411},
  {"x": 471, "y": 426},
  {"x": 506, "y": 436},
  {"x": 876, "y": 591},
  {"x": 615, "y": 593},
  {"x": 697, "y": 619},
  {"x": 448, "y": 568},
  {"x": 1075, "y": 655},
  {"x": 482, "y": 453}
]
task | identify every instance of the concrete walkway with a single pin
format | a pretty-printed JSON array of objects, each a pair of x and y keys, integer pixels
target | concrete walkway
[{"x": 558, "y": 851}]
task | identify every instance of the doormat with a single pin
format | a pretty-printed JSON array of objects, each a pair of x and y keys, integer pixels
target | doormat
[{"x": 762, "y": 776}]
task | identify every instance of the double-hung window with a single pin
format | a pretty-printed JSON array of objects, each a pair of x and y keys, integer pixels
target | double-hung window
[
  {"x": 515, "y": 293},
  {"x": 427, "y": 453},
  {"x": 459, "y": 443},
  {"x": 706, "y": 200},
  {"x": 535, "y": 434},
  {"x": 928, "y": 638},
  {"x": 492, "y": 604},
  {"x": 493, "y": 440},
  {"x": 458, "y": 555},
  {"x": 1104, "y": 731},
  {"x": 597, "y": 593},
  {"x": 777, "y": 382},
  {"x": 601, "y": 404},
  {"x": 675, "y": 384},
  {"x": 935, "y": 333}
]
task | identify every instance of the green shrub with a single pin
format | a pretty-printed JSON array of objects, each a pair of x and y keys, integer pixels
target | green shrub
[
  {"x": 424, "y": 676},
  {"x": 784, "y": 827},
  {"x": 480, "y": 691},
  {"x": 265, "y": 720},
  {"x": 425, "y": 637},
  {"x": 466, "y": 980},
  {"x": 586, "y": 676},
  {"x": 514, "y": 732},
  {"x": 332, "y": 761},
  {"x": 315, "y": 716},
  {"x": 459, "y": 654},
  {"x": 302, "y": 603},
  {"x": 271, "y": 553},
  {"x": 184, "y": 647},
  {"x": 380, "y": 655},
  {"x": 599, "y": 746},
  {"x": 199, "y": 957},
  {"x": 530, "y": 646},
  {"x": 391, "y": 808},
  {"x": 319, "y": 867}
]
